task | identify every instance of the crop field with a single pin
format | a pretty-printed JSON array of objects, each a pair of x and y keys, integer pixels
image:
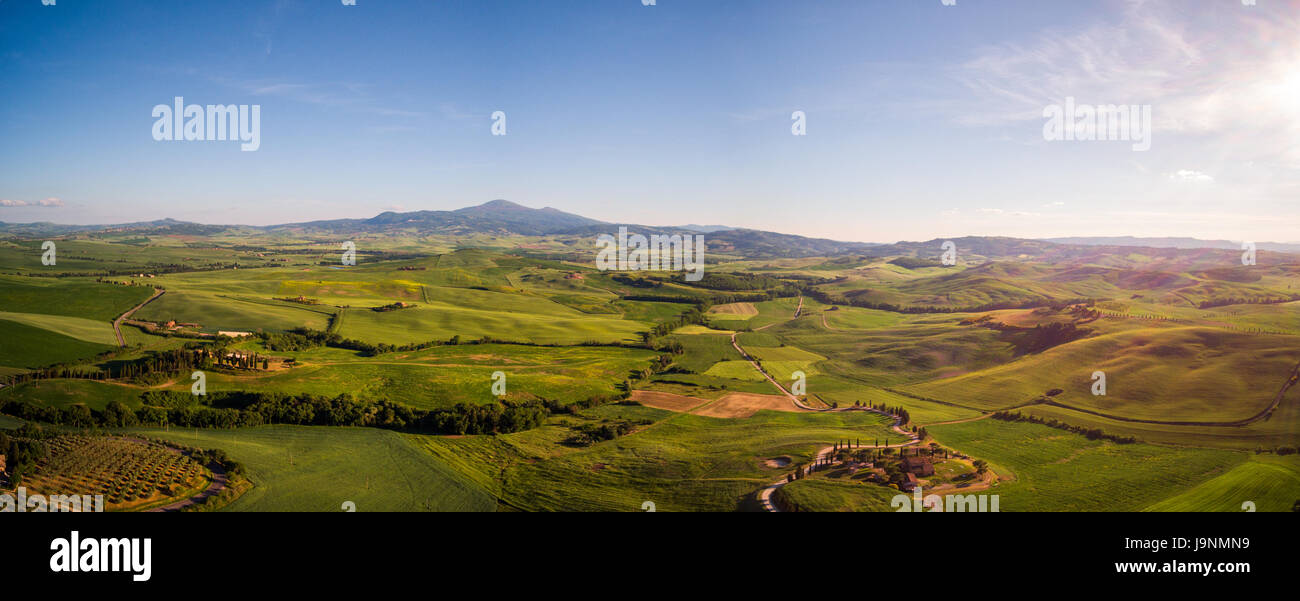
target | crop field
[
  {"x": 682, "y": 462},
  {"x": 317, "y": 468},
  {"x": 216, "y": 312},
  {"x": 648, "y": 311},
  {"x": 28, "y": 346},
  {"x": 833, "y": 495},
  {"x": 948, "y": 345},
  {"x": 854, "y": 318},
  {"x": 74, "y": 298},
  {"x": 1269, "y": 482},
  {"x": 920, "y": 348},
  {"x": 444, "y": 376},
  {"x": 1059, "y": 470},
  {"x": 1279, "y": 429},
  {"x": 783, "y": 353},
  {"x": 422, "y": 324},
  {"x": 832, "y": 389},
  {"x": 735, "y": 370},
  {"x": 705, "y": 350},
  {"x": 98, "y": 332},
  {"x": 130, "y": 473},
  {"x": 734, "y": 310},
  {"x": 777, "y": 311},
  {"x": 1150, "y": 374},
  {"x": 67, "y": 392}
]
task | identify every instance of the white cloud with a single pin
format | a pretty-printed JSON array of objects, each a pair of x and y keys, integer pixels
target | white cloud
[
  {"x": 1188, "y": 175},
  {"x": 46, "y": 202},
  {"x": 1007, "y": 213}
]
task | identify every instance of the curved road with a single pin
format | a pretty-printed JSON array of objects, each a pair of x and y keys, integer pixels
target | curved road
[
  {"x": 117, "y": 323},
  {"x": 219, "y": 481},
  {"x": 765, "y": 495}
]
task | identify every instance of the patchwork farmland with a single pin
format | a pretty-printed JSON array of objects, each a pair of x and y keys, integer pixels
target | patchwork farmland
[{"x": 434, "y": 376}]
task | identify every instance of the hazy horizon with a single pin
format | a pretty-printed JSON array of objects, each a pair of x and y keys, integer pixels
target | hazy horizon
[{"x": 683, "y": 225}]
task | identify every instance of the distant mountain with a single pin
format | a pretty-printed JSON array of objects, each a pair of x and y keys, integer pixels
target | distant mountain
[
  {"x": 705, "y": 229},
  {"x": 1183, "y": 243},
  {"x": 497, "y": 216},
  {"x": 1149, "y": 258},
  {"x": 546, "y": 219},
  {"x": 984, "y": 246},
  {"x": 158, "y": 226},
  {"x": 505, "y": 218}
]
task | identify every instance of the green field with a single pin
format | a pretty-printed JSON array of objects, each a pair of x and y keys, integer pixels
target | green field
[
  {"x": 735, "y": 370},
  {"x": 683, "y": 462},
  {"x": 89, "y": 330},
  {"x": 855, "y": 318},
  {"x": 216, "y": 312},
  {"x": 832, "y": 495},
  {"x": 444, "y": 376},
  {"x": 948, "y": 345},
  {"x": 704, "y": 350},
  {"x": 1268, "y": 481},
  {"x": 1059, "y": 471},
  {"x": 75, "y": 298},
  {"x": 297, "y": 468},
  {"x": 63, "y": 393},
  {"x": 31, "y": 347},
  {"x": 1156, "y": 374}
]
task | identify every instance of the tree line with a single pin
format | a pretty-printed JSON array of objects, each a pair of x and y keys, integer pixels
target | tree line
[
  {"x": 1091, "y": 433},
  {"x": 247, "y": 409}
]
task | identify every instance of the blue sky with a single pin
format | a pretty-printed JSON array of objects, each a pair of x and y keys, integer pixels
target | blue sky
[{"x": 923, "y": 120}]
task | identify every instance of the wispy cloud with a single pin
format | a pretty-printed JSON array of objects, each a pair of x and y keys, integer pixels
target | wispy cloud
[
  {"x": 353, "y": 96},
  {"x": 45, "y": 202},
  {"x": 1007, "y": 213},
  {"x": 1189, "y": 175},
  {"x": 1241, "y": 94}
]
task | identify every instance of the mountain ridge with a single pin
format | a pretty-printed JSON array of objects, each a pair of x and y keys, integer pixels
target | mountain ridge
[{"x": 504, "y": 217}]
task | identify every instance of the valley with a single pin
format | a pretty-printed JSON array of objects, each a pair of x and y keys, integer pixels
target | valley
[{"x": 476, "y": 360}]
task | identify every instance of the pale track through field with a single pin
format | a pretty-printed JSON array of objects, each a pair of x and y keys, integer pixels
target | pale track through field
[
  {"x": 1264, "y": 413},
  {"x": 765, "y": 495},
  {"x": 797, "y": 403},
  {"x": 117, "y": 323}
]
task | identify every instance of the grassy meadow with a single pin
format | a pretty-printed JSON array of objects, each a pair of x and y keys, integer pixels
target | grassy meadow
[{"x": 1179, "y": 339}]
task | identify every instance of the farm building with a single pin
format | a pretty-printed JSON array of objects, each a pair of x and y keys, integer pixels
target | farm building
[
  {"x": 909, "y": 482},
  {"x": 920, "y": 466}
]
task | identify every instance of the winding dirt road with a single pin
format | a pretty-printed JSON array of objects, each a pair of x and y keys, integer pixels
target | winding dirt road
[
  {"x": 765, "y": 495},
  {"x": 797, "y": 403},
  {"x": 219, "y": 482},
  {"x": 117, "y": 323}
]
